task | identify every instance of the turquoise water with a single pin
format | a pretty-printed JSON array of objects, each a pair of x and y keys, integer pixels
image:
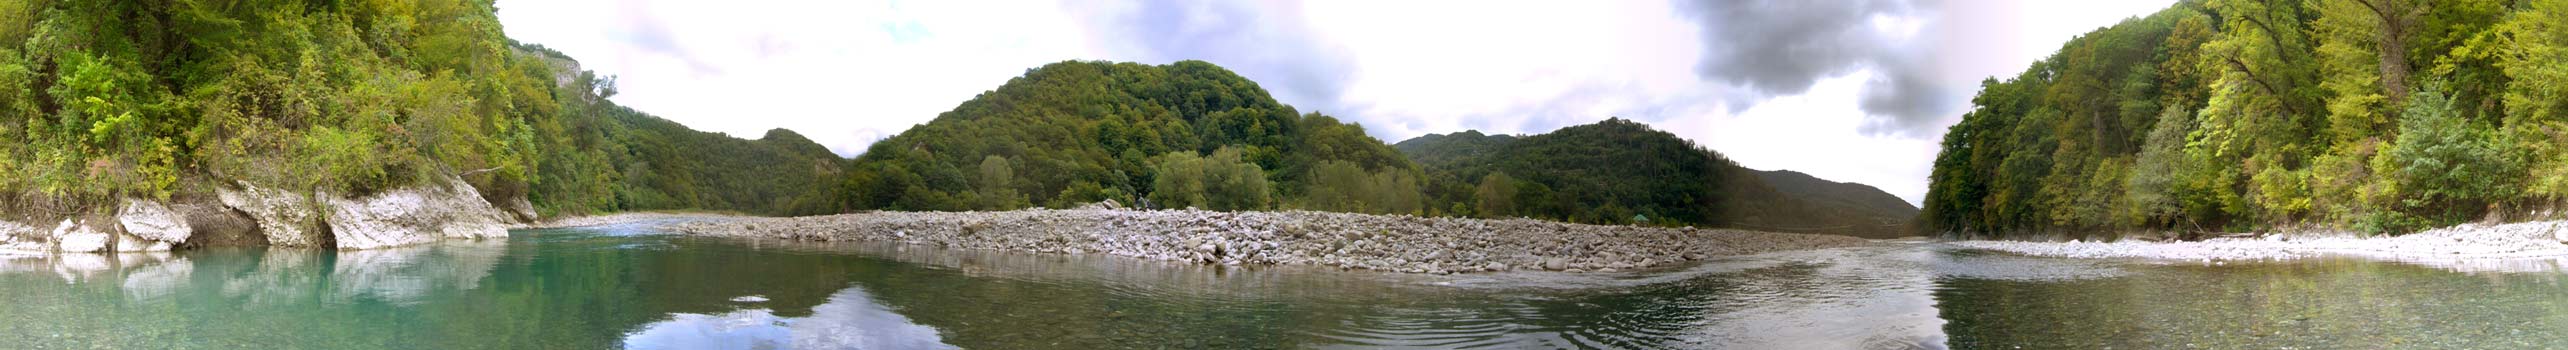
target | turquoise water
[{"x": 630, "y": 287}]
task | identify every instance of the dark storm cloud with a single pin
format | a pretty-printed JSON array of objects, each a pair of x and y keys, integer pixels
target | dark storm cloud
[
  {"x": 1782, "y": 47},
  {"x": 1268, "y": 42}
]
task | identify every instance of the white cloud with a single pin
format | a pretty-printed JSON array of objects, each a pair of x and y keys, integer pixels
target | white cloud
[{"x": 842, "y": 73}]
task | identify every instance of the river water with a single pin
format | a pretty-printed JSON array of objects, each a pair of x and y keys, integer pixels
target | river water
[{"x": 631, "y": 287}]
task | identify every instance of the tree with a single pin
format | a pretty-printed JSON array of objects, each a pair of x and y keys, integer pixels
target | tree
[
  {"x": 1220, "y": 181},
  {"x": 1496, "y": 196},
  {"x": 2445, "y": 168},
  {"x": 997, "y": 191}
]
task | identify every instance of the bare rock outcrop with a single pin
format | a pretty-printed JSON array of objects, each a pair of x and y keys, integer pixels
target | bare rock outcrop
[
  {"x": 414, "y": 215},
  {"x": 284, "y": 217},
  {"x": 391, "y": 218},
  {"x": 150, "y": 220}
]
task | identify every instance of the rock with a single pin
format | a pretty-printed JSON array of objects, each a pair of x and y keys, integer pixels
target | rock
[
  {"x": 285, "y": 218},
  {"x": 13, "y": 232},
  {"x": 131, "y": 243},
  {"x": 153, "y": 221},
  {"x": 79, "y": 238},
  {"x": 1555, "y": 264},
  {"x": 1108, "y": 204},
  {"x": 520, "y": 209},
  {"x": 414, "y": 215}
]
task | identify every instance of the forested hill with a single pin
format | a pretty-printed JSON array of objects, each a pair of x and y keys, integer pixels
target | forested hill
[
  {"x": 2226, "y": 115},
  {"x": 1620, "y": 171},
  {"x": 109, "y": 100},
  {"x": 1841, "y": 199},
  {"x": 1186, "y": 134}
]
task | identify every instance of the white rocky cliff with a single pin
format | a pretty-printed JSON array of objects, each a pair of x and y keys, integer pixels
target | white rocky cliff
[{"x": 448, "y": 209}]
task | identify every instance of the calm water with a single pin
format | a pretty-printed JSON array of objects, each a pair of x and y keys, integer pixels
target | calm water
[{"x": 627, "y": 287}]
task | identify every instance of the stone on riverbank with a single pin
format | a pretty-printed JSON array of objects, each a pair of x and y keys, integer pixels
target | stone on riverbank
[
  {"x": 152, "y": 221},
  {"x": 2515, "y": 240},
  {"x": 414, "y": 215},
  {"x": 1353, "y": 241}
]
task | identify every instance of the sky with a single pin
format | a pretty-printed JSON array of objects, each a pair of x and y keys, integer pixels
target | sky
[{"x": 1854, "y": 90}]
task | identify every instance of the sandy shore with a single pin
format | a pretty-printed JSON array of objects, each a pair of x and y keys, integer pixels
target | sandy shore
[
  {"x": 2528, "y": 240},
  {"x": 1354, "y": 241}
]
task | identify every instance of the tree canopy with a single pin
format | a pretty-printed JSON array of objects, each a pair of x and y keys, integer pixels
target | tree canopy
[
  {"x": 1617, "y": 170},
  {"x": 149, "y": 99},
  {"x": 1176, "y": 135},
  {"x": 2221, "y": 115}
]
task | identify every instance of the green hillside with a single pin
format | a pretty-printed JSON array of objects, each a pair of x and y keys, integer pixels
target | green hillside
[
  {"x": 163, "y": 100},
  {"x": 1618, "y": 170},
  {"x": 1186, "y": 134},
  {"x": 2229, "y": 115}
]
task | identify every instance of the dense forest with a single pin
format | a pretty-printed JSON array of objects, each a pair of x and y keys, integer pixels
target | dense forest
[
  {"x": 1614, "y": 171},
  {"x": 1191, "y": 134},
  {"x": 1620, "y": 171},
  {"x": 171, "y": 100},
  {"x": 2383, "y": 116},
  {"x": 1186, "y": 134}
]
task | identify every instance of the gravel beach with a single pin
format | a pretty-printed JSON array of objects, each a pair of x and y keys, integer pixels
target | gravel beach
[
  {"x": 1352, "y": 241},
  {"x": 2527, "y": 240}
]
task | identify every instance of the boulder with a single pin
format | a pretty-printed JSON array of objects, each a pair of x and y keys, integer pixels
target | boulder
[
  {"x": 21, "y": 238},
  {"x": 521, "y": 210},
  {"x": 285, "y": 218},
  {"x": 414, "y": 215},
  {"x": 74, "y": 237},
  {"x": 153, "y": 221},
  {"x": 132, "y": 243},
  {"x": 1108, "y": 204}
]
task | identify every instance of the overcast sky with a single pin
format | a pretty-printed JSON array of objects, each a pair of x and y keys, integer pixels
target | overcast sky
[{"x": 1856, "y": 90}]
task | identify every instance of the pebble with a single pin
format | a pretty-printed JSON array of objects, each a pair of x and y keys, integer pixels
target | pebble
[{"x": 1394, "y": 243}]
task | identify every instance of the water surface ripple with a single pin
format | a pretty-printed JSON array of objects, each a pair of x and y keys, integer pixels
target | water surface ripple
[{"x": 630, "y": 286}]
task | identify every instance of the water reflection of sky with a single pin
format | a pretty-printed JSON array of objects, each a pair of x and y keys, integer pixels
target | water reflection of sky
[
  {"x": 612, "y": 286},
  {"x": 850, "y": 320}
]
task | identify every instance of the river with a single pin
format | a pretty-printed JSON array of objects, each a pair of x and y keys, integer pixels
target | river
[{"x": 629, "y": 286}]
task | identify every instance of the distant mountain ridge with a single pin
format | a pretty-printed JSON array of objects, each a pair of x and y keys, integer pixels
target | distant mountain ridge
[
  {"x": 1844, "y": 198},
  {"x": 1619, "y": 170}
]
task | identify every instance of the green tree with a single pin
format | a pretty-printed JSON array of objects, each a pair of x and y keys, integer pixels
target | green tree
[
  {"x": 1496, "y": 196},
  {"x": 1220, "y": 181},
  {"x": 2445, "y": 168}
]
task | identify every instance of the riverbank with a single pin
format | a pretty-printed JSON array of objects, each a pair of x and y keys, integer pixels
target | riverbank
[
  {"x": 1352, "y": 241},
  {"x": 2526, "y": 240},
  {"x": 627, "y": 218}
]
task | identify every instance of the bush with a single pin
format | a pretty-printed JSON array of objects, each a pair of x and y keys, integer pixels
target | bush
[{"x": 2444, "y": 168}]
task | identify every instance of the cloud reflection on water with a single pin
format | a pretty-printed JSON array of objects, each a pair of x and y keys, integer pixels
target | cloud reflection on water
[{"x": 850, "y": 320}]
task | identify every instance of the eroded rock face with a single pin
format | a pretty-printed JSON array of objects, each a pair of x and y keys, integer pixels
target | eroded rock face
[
  {"x": 521, "y": 210},
  {"x": 131, "y": 243},
  {"x": 74, "y": 237},
  {"x": 392, "y": 218},
  {"x": 153, "y": 221},
  {"x": 414, "y": 215},
  {"x": 283, "y": 216},
  {"x": 21, "y": 238}
]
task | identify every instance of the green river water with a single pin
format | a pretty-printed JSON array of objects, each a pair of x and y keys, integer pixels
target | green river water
[{"x": 632, "y": 287}]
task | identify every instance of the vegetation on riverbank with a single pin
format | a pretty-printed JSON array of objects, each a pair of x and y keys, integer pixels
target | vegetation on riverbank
[
  {"x": 1191, "y": 134},
  {"x": 2383, "y": 116},
  {"x": 116, "y": 99},
  {"x": 178, "y": 101},
  {"x": 1620, "y": 171}
]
